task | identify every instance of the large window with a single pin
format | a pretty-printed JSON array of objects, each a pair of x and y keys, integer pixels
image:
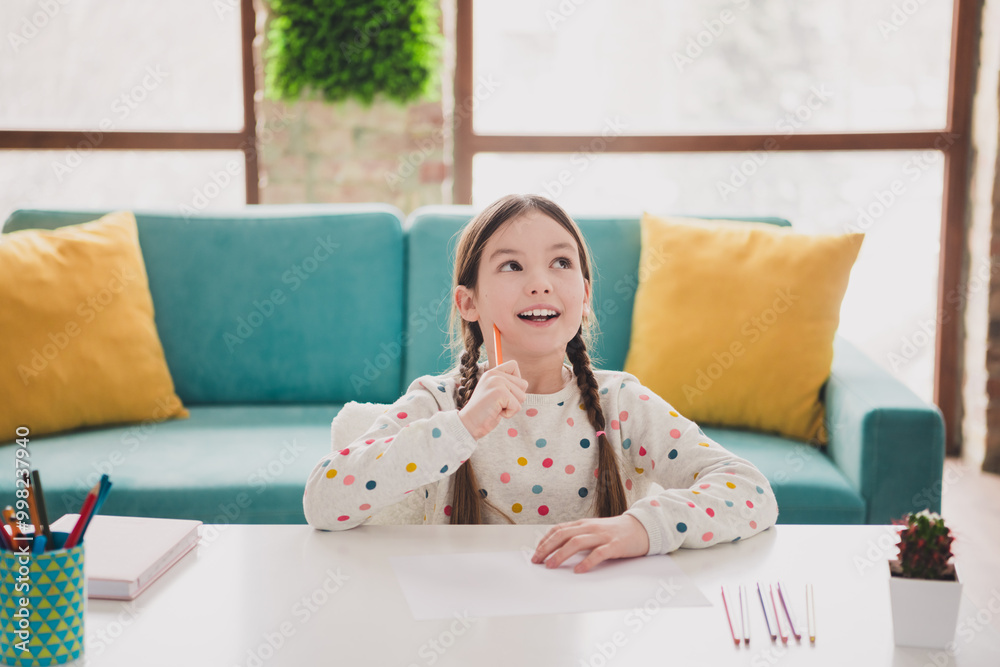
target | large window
[{"x": 838, "y": 116}]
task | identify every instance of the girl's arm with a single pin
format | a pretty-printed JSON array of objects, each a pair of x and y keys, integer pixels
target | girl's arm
[
  {"x": 710, "y": 495},
  {"x": 414, "y": 443}
]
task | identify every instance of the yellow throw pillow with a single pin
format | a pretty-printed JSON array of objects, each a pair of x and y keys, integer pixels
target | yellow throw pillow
[
  {"x": 79, "y": 344},
  {"x": 734, "y": 321}
]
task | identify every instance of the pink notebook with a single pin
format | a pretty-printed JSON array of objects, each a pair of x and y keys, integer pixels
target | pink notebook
[{"x": 123, "y": 555}]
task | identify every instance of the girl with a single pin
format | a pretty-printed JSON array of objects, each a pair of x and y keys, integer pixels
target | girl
[{"x": 533, "y": 440}]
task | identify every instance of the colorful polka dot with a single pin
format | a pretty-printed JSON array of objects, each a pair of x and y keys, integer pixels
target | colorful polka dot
[
  {"x": 753, "y": 524},
  {"x": 531, "y": 412},
  {"x": 604, "y": 391},
  {"x": 760, "y": 490},
  {"x": 482, "y": 492},
  {"x": 597, "y": 472},
  {"x": 331, "y": 473},
  {"x": 627, "y": 443},
  {"x": 516, "y": 508},
  {"x": 674, "y": 433},
  {"x": 672, "y": 455},
  {"x": 410, "y": 467},
  {"x": 512, "y": 432},
  {"x": 540, "y": 443},
  {"x": 369, "y": 441},
  {"x": 583, "y": 492},
  {"x": 652, "y": 464},
  {"x": 366, "y": 506},
  {"x": 615, "y": 425},
  {"x": 682, "y": 527},
  {"x": 696, "y": 476},
  {"x": 543, "y": 510},
  {"x": 379, "y": 456},
  {"x": 444, "y": 469},
  {"x": 521, "y": 461},
  {"x": 736, "y": 539},
  {"x": 570, "y": 421},
  {"x": 639, "y": 470},
  {"x": 581, "y": 407},
  {"x": 447, "y": 510},
  {"x": 547, "y": 463},
  {"x": 642, "y": 451},
  {"x": 623, "y": 416},
  {"x": 673, "y": 413},
  {"x": 704, "y": 486},
  {"x": 703, "y": 444},
  {"x": 585, "y": 443},
  {"x": 729, "y": 503},
  {"x": 643, "y": 397},
  {"x": 388, "y": 440},
  {"x": 343, "y": 518},
  {"x": 370, "y": 484},
  {"x": 749, "y": 504},
  {"x": 654, "y": 503},
  {"x": 345, "y": 452},
  {"x": 707, "y": 537},
  {"x": 537, "y": 488},
  {"x": 691, "y": 504},
  {"x": 325, "y": 463},
  {"x": 436, "y": 433},
  {"x": 560, "y": 403},
  {"x": 401, "y": 415},
  {"x": 570, "y": 470},
  {"x": 709, "y": 511},
  {"x": 628, "y": 484},
  {"x": 730, "y": 485},
  {"x": 505, "y": 478}
]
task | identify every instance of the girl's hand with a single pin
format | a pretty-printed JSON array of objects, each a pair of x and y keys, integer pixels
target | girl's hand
[
  {"x": 499, "y": 393},
  {"x": 610, "y": 537}
]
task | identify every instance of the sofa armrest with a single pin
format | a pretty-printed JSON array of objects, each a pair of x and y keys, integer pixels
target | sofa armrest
[{"x": 886, "y": 440}]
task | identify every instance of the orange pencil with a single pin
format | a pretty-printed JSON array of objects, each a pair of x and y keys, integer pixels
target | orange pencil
[{"x": 496, "y": 345}]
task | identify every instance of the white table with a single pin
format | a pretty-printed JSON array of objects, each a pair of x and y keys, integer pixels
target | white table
[{"x": 263, "y": 596}]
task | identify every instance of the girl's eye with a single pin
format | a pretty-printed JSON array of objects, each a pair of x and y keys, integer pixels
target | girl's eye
[{"x": 567, "y": 263}]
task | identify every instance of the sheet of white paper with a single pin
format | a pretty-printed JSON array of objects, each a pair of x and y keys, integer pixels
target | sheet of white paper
[{"x": 507, "y": 583}]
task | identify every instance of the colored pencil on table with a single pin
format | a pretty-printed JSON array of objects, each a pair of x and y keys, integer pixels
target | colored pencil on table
[
  {"x": 810, "y": 612},
  {"x": 728, "y": 618},
  {"x": 788, "y": 612},
  {"x": 777, "y": 616},
  {"x": 496, "y": 345},
  {"x": 745, "y": 614},
  {"x": 763, "y": 606},
  {"x": 43, "y": 515}
]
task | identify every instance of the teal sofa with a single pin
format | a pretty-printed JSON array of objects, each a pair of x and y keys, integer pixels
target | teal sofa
[{"x": 273, "y": 317}]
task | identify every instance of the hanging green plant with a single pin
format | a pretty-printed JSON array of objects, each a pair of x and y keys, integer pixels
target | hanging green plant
[{"x": 353, "y": 49}]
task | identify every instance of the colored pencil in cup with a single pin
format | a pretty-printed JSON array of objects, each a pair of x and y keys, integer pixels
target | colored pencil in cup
[
  {"x": 81, "y": 521},
  {"x": 496, "y": 345},
  {"x": 736, "y": 640},
  {"x": 43, "y": 515},
  {"x": 788, "y": 612}
]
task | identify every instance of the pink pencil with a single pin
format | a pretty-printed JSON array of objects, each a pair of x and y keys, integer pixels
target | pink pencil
[{"x": 731, "y": 631}]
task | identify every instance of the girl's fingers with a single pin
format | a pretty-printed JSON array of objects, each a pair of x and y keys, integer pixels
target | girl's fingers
[
  {"x": 554, "y": 539},
  {"x": 596, "y": 556},
  {"x": 572, "y": 546}
]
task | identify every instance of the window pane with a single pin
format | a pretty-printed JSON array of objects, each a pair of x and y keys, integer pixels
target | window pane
[
  {"x": 128, "y": 65},
  {"x": 893, "y": 196},
  {"x": 713, "y": 66},
  {"x": 167, "y": 180}
]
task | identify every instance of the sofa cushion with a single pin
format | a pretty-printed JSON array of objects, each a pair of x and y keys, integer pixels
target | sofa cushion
[
  {"x": 225, "y": 464},
  {"x": 80, "y": 343},
  {"x": 272, "y": 304},
  {"x": 734, "y": 322},
  {"x": 809, "y": 487}
]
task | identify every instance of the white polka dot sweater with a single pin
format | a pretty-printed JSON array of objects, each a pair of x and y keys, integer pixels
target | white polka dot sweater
[{"x": 539, "y": 467}]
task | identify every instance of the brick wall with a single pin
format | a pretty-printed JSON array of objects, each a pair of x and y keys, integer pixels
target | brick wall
[{"x": 314, "y": 151}]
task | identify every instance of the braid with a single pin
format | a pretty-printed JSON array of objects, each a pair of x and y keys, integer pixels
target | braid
[
  {"x": 467, "y": 503},
  {"x": 610, "y": 498}
]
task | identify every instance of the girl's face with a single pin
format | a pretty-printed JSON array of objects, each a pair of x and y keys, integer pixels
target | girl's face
[{"x": 531, "y": 263}]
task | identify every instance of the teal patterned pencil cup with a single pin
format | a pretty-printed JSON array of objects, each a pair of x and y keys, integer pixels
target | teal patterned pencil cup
[{"x": 42, "y": 601}]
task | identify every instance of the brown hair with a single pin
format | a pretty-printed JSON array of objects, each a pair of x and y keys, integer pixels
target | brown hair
[{"x": 467, "y": 341}]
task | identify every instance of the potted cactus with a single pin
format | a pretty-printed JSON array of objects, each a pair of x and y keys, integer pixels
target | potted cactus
[{"x": 924, "y": 587}]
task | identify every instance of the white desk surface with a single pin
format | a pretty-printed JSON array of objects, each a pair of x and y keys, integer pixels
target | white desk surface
[{"x": 264, "y": 596}]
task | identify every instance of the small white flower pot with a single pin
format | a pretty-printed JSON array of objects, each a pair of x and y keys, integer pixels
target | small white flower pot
[{"x": 924, "y": 611}]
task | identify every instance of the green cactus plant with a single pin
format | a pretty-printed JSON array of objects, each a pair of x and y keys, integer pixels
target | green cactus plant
[{"x": 924, "y": 547}]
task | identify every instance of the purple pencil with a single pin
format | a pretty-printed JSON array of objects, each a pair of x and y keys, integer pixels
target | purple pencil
[{"x": 781, "y": 594}]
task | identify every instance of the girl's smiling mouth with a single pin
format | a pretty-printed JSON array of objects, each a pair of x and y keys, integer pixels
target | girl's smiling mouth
[{"x": 538, "y": 316}]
